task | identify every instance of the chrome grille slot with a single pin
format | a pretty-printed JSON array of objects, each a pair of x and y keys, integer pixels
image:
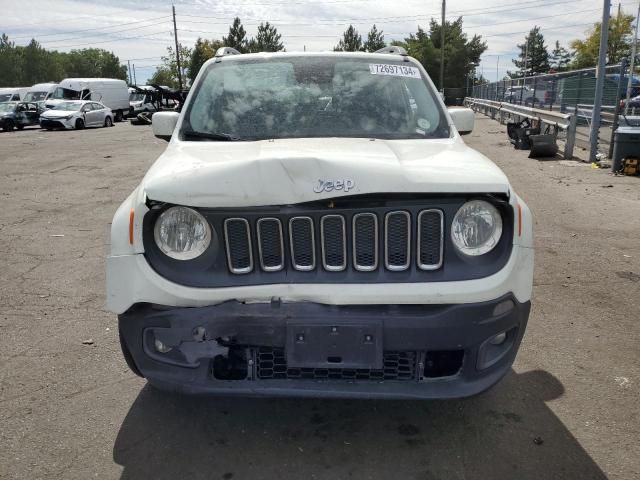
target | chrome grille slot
[
  {"x": 303, "y": 243},
  {"x": 270, "y": 244},
  {"x": 333, "y": 239},
  {"x": 237, "y": 236},
  {"x": 365, "y": 242},
  {"x": 430, "y": 239},
  {"x": 397, "y": 240}
]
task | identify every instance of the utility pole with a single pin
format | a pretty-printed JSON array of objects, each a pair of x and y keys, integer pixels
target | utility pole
[
  {"x": 444, "y": 6},
  {"x": 497, "y": 75},
  {"x": 129, "y": 70},
  {"x": 600, "y": 72},
  {"x": 134, "y": 75},
  {"x": 632, "y": 63},
  {"x": 175, "y": 36}
]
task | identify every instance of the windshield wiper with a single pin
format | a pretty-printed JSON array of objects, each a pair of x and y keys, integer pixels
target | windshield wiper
[{"x": 210, "y": 136}]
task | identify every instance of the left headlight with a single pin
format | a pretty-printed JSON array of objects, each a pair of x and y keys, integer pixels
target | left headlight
[
  {"x": 476, "y": 228},
  {"x": 182, "y": 233}
]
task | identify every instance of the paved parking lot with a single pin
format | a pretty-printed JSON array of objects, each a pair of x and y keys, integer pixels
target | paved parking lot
[{"x": 70, "y": 410}]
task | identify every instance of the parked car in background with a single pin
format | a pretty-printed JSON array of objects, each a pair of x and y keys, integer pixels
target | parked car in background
[
  {"x": 12, "y": 94},
  {"x": 110, "y": 92},
  {"x": 18, "y": 115},
  {"x": 40, "y": 92},
  {"x": 78, "y": 115},
  {"x": 527, "y": 96}
]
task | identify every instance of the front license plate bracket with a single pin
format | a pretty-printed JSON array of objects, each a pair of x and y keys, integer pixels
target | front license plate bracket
[{"x": 321, "y": 345}]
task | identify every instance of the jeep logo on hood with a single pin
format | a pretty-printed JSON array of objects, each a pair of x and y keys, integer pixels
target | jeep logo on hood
[{"x": 330, "y": 185}]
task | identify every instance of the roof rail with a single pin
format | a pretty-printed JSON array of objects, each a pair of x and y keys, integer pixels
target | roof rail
[
  {"x": 393, "y": 50},
  {"x": 224, "y": 51}
]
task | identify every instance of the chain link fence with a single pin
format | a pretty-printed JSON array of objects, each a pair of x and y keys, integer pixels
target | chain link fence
[{"x": 566, "y": 92}]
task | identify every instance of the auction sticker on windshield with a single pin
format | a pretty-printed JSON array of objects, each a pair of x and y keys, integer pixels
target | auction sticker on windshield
[{"x": 395, "y": 70}]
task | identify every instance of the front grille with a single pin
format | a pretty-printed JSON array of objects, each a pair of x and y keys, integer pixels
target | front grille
[
  {"x": 430, "y": 226},
  {"x": 397, "y": 240},
  {"x": 270, "y": 244},
  {"x": 336, "y": 242},
  {"x": 271, "y": 364},
  {"x": 303, "y": 243},
  {"x": 237, "y": 237}
]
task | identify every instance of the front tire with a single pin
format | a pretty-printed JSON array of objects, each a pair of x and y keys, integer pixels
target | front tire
[
  {"x": 108, "y": 122},
  {"x": 79, "y": 124},
  {"x": 8, "y": 125}
]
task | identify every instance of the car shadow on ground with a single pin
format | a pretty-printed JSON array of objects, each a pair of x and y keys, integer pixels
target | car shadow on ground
[{"x": 506, "y": 433}]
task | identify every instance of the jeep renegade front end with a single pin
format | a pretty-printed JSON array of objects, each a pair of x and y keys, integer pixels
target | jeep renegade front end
[{"x": 317, "y": 227}]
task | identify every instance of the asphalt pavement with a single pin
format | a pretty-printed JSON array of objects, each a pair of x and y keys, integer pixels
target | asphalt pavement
[{"x": 71, "y": 409}]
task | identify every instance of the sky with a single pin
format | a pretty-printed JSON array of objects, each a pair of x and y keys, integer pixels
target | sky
[{"x": 139, "y": 31}]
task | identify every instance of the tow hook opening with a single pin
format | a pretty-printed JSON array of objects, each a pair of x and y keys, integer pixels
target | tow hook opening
[{"x": 234, "y": 365}]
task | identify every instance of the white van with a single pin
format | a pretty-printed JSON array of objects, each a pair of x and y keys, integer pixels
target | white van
[
  {"x": 40, "y": 92},
  {"x": 108, "y": 91},
  {"x": 12, "y": 94}
]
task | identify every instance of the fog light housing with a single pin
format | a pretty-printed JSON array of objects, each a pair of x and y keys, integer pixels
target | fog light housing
[
  {"x": 498, "y": 339},
  {"x": 161, "y": 346}
]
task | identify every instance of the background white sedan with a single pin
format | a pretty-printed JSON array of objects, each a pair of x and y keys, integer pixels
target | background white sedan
[{"x": 78, "y": 115}]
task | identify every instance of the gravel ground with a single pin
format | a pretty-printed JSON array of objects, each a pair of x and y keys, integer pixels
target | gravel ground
[{"x": 569, "y": 408}]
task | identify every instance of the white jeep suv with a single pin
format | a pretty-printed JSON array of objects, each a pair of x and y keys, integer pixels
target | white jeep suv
[{"x": 317, "y": 227}]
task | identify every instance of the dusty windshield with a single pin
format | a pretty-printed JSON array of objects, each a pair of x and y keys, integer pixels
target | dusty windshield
[
  {"x": 7, "y": 107},
  {"x": 313, "y": 96}
]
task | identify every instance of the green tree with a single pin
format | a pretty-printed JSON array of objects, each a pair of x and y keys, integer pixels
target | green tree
[
  {"x": 237, "y": 37},
  {"x": 351, "y": 41},
  {"x": 375, "y": 40},
  {"x": 267, "y": 39},
  {"x": 461, "y": 53},
  {"x": 202, "y": 51},
  {"x": 163, "y": 76},
  {"x": 10, "y": 63},
  {"x": 587, "y": 50},
  {"x": 533, "y": 58},
  {"x": 560, "y": 58},
  {"x": 94, "y": 62},
  {"x": 169, "y": 69}
]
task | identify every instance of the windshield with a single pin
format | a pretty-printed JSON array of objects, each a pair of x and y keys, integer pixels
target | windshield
[
  {"x": 35, "y": 96},
  {"x": 314, "y": 96},
  {"x": 5, "y": 97},
  {"x": 65, "y": 94},
  {"x": 69, "y": 106},
  {"x": 7, "y": 107},
  {"x": 136, "y": 97}
]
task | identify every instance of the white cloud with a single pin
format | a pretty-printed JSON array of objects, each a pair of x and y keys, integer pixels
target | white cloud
[{"x": 311, "y": 24}]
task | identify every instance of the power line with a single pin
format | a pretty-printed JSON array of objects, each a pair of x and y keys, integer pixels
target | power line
[
  {"x": 89, "y": 44},
  {"x": 98, "y": 33},
  {"x": 93, "y": 29}
]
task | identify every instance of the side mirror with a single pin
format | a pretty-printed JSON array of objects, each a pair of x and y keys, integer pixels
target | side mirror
[
  {"x": 164, "y": 123},
  {"x": 463, "y": 119}
]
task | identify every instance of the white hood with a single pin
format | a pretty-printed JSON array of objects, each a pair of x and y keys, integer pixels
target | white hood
[{"x": 280, "y": 172}]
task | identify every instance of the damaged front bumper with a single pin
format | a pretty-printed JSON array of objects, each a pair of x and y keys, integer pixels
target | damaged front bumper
[{"x": 311, "y": 349}]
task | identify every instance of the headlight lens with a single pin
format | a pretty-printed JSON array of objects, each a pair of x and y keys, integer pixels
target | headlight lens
[
  {"x": 476, "y": 228},
  {"x": 182, "y": 233},
  {"x": 68, "y": 117}
]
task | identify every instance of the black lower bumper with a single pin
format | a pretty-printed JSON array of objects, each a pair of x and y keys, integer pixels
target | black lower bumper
[{"x": 382, "y": 351}]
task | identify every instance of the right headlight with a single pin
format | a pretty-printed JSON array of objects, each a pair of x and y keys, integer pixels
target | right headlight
[
  {"x": 476, "y": 228},
  {"x": 182, "y": 233}
]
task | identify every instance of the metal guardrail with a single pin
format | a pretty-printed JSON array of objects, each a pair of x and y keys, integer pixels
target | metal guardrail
[{"x": 502, "y": 110}]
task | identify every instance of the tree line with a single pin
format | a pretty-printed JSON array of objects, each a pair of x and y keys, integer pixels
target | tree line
[
  {"x": 534, "y": 57},
  {"x": 460, "y": 51},
  {"x": 27, "y": 65},
  {"x": 23, "y": 66}
]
